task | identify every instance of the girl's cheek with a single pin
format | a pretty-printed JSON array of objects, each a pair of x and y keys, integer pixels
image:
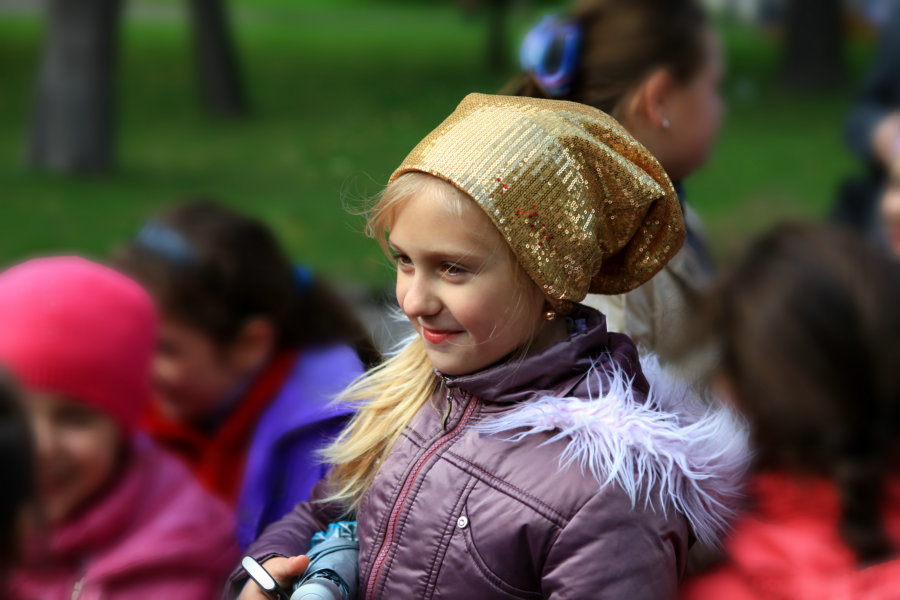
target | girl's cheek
[
  {"x": 44, "y": 439},
  {"x": 95, "y": 450},
  {"x": 400, "y": 290},
  {"x": 165, "y": 370},
  {"x": 174, "y": 376}
]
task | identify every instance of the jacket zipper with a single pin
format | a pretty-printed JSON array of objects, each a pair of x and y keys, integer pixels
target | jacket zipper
[
  {"x": 404, "y": 493},
  {"x": 449, "y": 409}
]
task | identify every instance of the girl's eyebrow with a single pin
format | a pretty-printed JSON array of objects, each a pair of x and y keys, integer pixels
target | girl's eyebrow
[{"x": 444, "y": 255}]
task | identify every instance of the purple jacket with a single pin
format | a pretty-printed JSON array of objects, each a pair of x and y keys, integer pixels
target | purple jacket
[
  {"x": 282, "y": 464},
  {"x": 565, "y": 475}
]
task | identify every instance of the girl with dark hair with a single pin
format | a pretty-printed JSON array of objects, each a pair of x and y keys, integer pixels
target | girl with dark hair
[
  {"x": 251, "y": 352},
  {"x": 654, "y": 65},
  {"x": 810, "y": 340}
]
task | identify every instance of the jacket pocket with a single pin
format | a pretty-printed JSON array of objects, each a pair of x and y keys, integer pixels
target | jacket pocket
[
  {"x": 464, "y": 524},
  {"x": 466, "y": 573}
]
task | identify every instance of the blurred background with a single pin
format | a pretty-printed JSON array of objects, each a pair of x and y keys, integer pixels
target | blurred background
[{"x": 296, "y": 110}]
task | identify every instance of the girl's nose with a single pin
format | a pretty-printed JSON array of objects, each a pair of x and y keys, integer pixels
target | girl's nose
[
  {"x": 44, "y": 439},
  {"x": 419, "y": 298}
]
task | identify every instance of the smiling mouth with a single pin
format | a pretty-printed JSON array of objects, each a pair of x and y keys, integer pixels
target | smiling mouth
[{"x": 435, "y": 336}]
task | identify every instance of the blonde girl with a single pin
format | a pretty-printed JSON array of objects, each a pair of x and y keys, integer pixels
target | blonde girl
[{"x": 515, "y": 448}]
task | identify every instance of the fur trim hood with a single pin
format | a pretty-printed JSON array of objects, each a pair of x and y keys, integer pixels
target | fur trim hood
[{"x": 673, "y": 448}]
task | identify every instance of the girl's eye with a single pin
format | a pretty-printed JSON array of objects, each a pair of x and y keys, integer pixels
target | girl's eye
[
  {"x": 402, "y": 260},
  {"x": 453, "y": 269}
]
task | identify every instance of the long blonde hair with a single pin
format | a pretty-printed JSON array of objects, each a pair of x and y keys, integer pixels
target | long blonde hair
[{"x": 388, "y": 396}]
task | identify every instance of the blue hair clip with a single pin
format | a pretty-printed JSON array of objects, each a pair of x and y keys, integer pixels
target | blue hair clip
[
  {"x": 550, "y": 51},
  {"x": 302, "y": 278},
  {"x": 166, "y": 242}
]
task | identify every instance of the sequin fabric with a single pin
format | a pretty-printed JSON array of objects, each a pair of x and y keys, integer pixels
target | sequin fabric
[{"x": 582, "y": 204}]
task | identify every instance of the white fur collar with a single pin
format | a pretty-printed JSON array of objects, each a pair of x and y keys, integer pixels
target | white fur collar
[{"x": 692, "y": 453}]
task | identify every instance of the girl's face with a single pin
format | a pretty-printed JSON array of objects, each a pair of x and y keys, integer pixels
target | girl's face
[
  {"x": 695, "y": 112},
  {"x": 459, "y": 288},
  {"x": 78, "y": 450},
  {"x": 192, "y": 374}
]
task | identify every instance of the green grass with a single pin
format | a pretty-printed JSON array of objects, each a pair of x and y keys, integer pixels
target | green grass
[{"x": 340, "y": 92}]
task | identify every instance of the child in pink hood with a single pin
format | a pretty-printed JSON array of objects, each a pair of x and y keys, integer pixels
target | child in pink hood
[{"x": 119, "y": 518}]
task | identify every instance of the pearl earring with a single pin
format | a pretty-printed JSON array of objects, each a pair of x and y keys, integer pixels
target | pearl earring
[
  {"x": 665, "y": 123},
  {"x": 550, "y": 315}
]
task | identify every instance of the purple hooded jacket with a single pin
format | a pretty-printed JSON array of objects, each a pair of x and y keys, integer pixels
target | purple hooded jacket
[
  {"x": 282, "y": 463},
  {"x": 568, "y": 474}
]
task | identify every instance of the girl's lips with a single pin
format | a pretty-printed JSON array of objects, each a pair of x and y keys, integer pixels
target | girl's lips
[{"x": 438, "y": 337}]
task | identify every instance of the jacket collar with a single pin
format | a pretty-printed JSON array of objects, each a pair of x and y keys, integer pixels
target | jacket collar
[{"x": 554, "y": 370}]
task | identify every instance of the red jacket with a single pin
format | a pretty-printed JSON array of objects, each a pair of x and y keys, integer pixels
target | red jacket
[{"x": 789, "y": 548}]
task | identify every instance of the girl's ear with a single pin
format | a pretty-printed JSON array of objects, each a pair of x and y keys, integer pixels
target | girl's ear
[
  {"x": 253, "y": 345},
  {"x": 650, "y": 102}
]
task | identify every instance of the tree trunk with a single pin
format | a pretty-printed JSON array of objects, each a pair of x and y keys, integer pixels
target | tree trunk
[
  {"x": 814, "y": 44},
  {"x": 221, "y": 85},
  {"x": 498, "y": 12},
  {"x": 73, "y": 123}
]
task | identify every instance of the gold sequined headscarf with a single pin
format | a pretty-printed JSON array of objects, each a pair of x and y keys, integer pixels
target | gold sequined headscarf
[{"x": 584, "y": 207}]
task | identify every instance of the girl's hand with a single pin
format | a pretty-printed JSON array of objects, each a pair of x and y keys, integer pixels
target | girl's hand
[{"x": 284, "y": 570}]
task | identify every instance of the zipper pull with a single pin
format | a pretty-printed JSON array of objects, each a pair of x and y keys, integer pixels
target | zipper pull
[{"x": 449, "y": 408}]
